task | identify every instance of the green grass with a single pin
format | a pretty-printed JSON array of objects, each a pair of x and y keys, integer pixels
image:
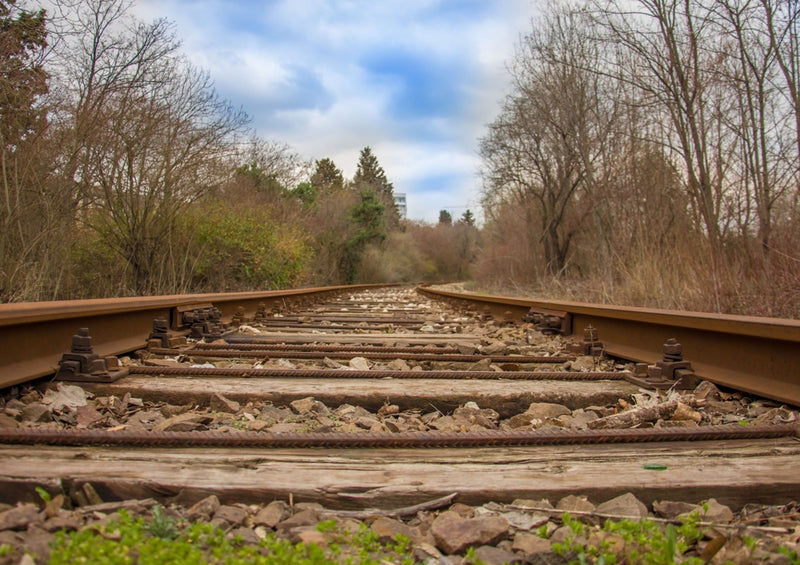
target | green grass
[
  {"x": 128, "y": 540},
  {"x": 162, "y": 539},
  {"x": 642, "y": 542}
]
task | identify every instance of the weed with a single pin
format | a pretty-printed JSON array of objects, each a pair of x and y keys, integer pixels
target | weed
[
  {"x": 641, "y": 541},
  {"x": 469, "y": 556},
  {"x": 162, "y": 526},
  {"x": 43, "y": 494},
  {"x": 794, "y": 559},
  {"x": 127, "y": 540}
]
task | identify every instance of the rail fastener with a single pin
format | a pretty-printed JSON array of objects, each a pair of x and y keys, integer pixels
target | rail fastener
[
  {"x": 671, "y": 372},
  {"x": 82, "y": 364}
]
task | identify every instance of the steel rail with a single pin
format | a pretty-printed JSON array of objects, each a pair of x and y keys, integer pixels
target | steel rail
[
  {"x": 34, "y": 335},
  {"x": 753, "y": 354},
  {"x": 400, "y": 440}
]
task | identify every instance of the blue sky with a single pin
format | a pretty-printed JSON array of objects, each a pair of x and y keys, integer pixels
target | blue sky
[{"x": 416, "y": 80}]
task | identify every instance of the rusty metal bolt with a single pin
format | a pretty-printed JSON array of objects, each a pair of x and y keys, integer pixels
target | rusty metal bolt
[
  {"x": 640, "y": 369},
  {"x": 160, "y": 332},
  {"x": 673, "y": 351},
  {"x": 590, "y": 333},
  {"x": 238, "y": 316},
  {"x": 160, "y": 325},
  {"x": 261, "y": 312},
  {"x": 81, "y": 358},
  {"x": 82, "y": 342}
]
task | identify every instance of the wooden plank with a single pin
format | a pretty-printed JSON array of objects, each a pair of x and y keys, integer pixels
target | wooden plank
[
  {"x": 734, "y": 472},
  {"x": 508, "y": 397}
]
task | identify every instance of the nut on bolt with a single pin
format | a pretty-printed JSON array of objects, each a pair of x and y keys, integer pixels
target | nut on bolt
[
  {"x": 83, "y": 364},
  {"x": 672, "y": 371},
  {"x": 161, "y": 336}
]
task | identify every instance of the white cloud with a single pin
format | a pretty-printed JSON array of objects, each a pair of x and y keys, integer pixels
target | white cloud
[{"x": 416, "y": 80}]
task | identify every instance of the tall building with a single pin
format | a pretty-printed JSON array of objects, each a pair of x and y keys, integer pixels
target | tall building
[{"x": 400, "y": 202}]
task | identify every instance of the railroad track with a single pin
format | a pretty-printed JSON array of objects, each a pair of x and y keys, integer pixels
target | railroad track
[{"x": 383, "y": 397}]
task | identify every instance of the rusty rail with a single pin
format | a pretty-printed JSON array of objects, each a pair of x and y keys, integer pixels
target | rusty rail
[
  {"x": 747, "y": 353},
  {"x": 755, "y": 355},
  {"x": 34, "y": 335}
]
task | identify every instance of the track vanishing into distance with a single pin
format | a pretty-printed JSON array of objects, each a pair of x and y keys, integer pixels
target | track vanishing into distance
[{"x": 359, "y": 397}]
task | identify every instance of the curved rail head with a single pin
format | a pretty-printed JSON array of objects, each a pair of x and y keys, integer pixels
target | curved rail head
[{"x": 756, "y": 355}]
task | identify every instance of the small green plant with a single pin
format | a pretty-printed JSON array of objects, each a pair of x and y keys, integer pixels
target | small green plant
[
  {"x": 642, "y": 541},
  {"x": 542, "y": 531},
  {"x": 794, "y": 559},
  {"x": 326, "y": 526},
  {"x": 162, "y": 526},
  {"x": 749, "y": 542},
  {"x": 470, "y": 557},
  {"x": 44, "y": 495},
  {"x": 127, "y": 540}
]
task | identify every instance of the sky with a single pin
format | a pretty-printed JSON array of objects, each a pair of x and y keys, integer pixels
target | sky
[{"x": 416, "y": 80}]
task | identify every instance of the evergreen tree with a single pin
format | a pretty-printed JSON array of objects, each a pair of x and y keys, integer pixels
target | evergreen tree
[
  {"x": 468, "y": 218},
  {"x": 445, "y": 217},
  {"x": 371, "y": 176},
  {"x": 306, "y": 193},
  {"x": 368, "y": 217},
  {"x": 327, "y": 177}
]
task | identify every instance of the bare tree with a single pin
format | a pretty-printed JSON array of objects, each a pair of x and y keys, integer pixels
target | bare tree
[
  {"x": 35, "y": 216},
  {"x": 150, "y": 135},
  {"x": 667, "y": 62},
  {"x": 782, "y": 18},
  {"x": 747, "y": 66},
  {"x": 272, "y": 162},
  {"x": 545, "y": 150}
]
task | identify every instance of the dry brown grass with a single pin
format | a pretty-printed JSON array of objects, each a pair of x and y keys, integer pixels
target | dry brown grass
[{"x": 688, "y": 278}]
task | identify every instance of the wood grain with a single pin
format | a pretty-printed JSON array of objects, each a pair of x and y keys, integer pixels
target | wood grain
[{"x": 734, "y": 472}]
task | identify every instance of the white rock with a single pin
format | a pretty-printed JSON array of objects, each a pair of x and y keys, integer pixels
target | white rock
[
  {"x": 65, "y": 395},
  {"x": 359, "y": 364}
]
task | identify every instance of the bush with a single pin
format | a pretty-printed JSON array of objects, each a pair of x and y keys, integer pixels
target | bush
[{"x": 245, "y": 249}]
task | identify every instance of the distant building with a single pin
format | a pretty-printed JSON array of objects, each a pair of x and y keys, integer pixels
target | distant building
[{"x": 400, "y": 202}]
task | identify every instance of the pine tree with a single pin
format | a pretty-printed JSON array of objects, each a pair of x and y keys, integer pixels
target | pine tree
[
  {"x": 368, "y": 218},
  {"x": 327, "y": 177},
  {"x": 445, "y": 217},
  {"x": 468, "y": 218},
  {"x": 371, "y": 176}
]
